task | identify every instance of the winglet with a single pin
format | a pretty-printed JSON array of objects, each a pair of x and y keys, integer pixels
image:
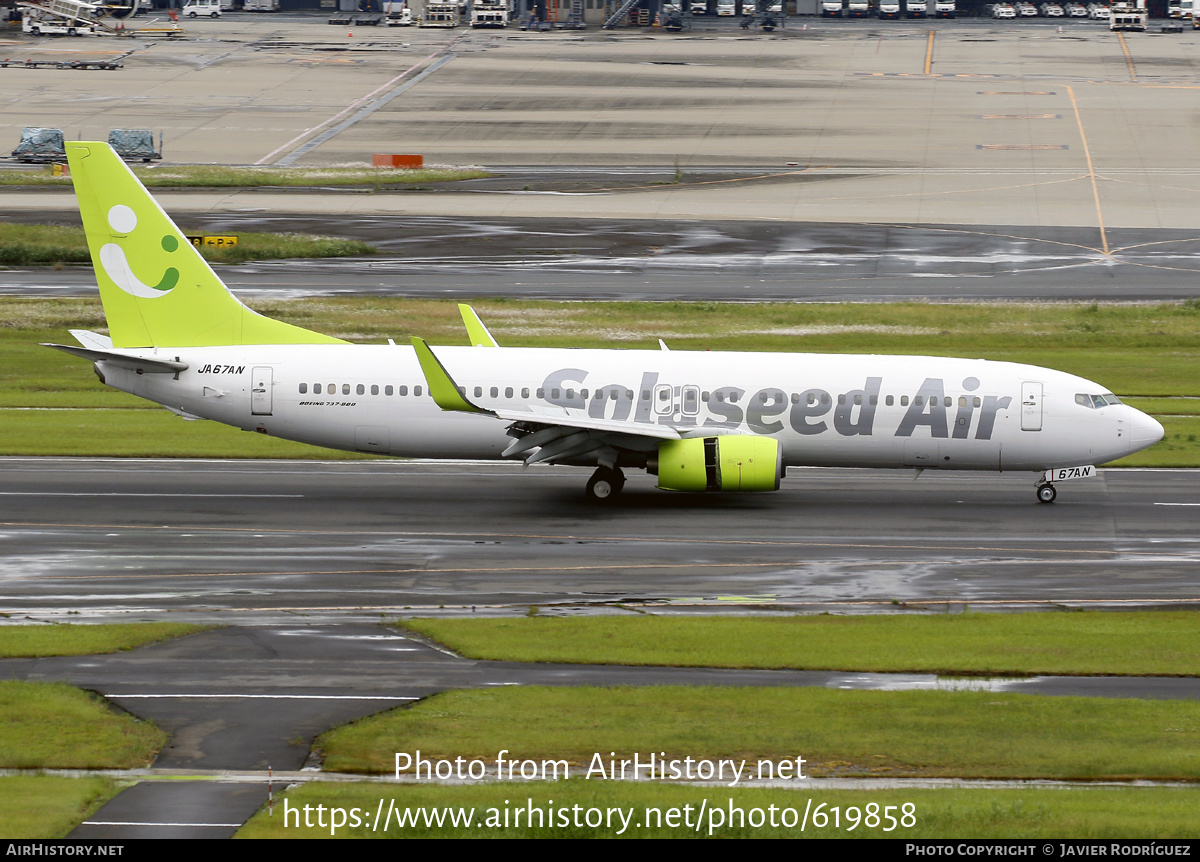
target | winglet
[
  {"x": 476, "y": 331},
  {"x": 445, "y": 393}
]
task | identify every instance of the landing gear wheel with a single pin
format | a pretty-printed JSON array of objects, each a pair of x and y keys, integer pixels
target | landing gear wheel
[
  {"x": 1046, "y": 493},
  {"x": 605, "y": 484}
]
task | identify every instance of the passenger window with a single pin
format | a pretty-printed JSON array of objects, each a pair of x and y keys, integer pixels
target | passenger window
[
  {"x": 478, "y": 391},
  {"x": 525, "y": 392},
  {"x": 890, "y": 400},
  {"x": 570, "y": 394},
  {"x": 360, "y": 390},
  {"x": 495, "y": 392},
  {"x": 402, "y": 391},
  {"x": 858, "y": 399},
  {"x": 541, "y": 393},
  {"x": 962, "y": 401},
  {"x": 417, "y": 391},
  {"x": 331, "y": 389},
  {"x": 645, "y": 394},
  {"x": 583, "y": 393},
  {"x": 874, "y": 400},
  {"x": 374, "y": 389},
  {"x": 508, "y": 392},
  {"x": 316, "y": 389},
  {"x": 387, "y": 390},
  {"x": 825, "y": 399},
  {"x": 703, "y": 396},
  {"x": 795, "y": 397},
  {"x": 554, "y": 392},
  {"x": 903, "y": 400},
  {"x": 975, "y": 402},
  {"x": 919, "y": 400},
  {"x": 947, "y": 401},
  {"x": 303, "y": 388}
]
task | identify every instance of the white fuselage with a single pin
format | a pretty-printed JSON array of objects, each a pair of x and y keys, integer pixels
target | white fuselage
[{"x": 825, "y": 410}]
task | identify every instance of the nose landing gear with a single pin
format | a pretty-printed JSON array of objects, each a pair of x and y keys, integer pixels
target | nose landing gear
[{"x": 1046, "y": 493}]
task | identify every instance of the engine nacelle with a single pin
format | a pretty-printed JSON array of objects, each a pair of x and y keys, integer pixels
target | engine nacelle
[{"x": 731, "y": 462}]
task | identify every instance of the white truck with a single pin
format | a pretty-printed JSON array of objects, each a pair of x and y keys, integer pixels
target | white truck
[
  {"x": 944, "y": 9},
  {"x": 917, "y": 8},
  {"x": 831, "y": 8},
  {"x": 489, "y": 14},
  {"x": 858, "y": 8},
  {"x": 889, "y": 9},
  {"x": 261, "y": 5},
  {"x": 1128, "y": 16},
  {"x": 440, "y": 15}
]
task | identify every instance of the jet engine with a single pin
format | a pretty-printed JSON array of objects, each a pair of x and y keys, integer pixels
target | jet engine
[{"x": 731, "y": 462}]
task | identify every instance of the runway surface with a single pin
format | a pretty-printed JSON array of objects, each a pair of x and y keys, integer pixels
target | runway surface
[{"x": 258, "y": 541}]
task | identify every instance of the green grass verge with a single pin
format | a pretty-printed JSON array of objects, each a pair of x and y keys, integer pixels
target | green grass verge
[
  {"x": 25, "y": 641},
  {"x": 154, "y": 433},
  {"x": 1047, "y": 813},
  {"x": 1137, "y": 351},
  {"x": 959, "y": 734},
  {"x": 55, "y": 726},
  {"x": 224, "y": 176},
  {"x": 32, "y": 245},
  {"x": 44, "y": 806},
  {"x": 1162, "y": 643}
]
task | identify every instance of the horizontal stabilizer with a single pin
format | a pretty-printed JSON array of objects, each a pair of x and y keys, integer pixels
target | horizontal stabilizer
[{"x": 124, "y": 360}]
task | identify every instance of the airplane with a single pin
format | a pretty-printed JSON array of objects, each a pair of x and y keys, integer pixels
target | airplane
[{"x": 699, "y": 421}]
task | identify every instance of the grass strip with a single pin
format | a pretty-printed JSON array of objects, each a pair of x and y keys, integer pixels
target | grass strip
[
  {"x": 1047, "y": 813},
  {"x": 33, "y": 245},
  {"x": 45, "y": 806},
  {"x": 32, "y": 641},
  {"x": 958, "y": 734},
  {"x": 225, "y": 176},
  {"x": 55, "y": 726},
  {"x": 1164, "y": 643},
  {"x": 153, "y": 433}
]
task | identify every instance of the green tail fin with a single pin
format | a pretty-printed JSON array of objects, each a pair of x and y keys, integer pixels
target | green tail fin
[{"x": 156, "y": 288}]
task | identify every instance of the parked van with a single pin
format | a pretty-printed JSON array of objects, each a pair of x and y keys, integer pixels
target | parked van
[{"x": 211, "y": 8}]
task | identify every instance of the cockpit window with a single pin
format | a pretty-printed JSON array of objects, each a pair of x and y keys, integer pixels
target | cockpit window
[{"x": 1095, "y": 402}]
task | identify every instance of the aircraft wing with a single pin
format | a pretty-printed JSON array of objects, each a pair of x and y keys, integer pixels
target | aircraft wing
[{"x": 545, "y": 432}]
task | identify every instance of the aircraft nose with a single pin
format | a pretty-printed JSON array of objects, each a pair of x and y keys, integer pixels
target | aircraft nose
[{"x": 1144, "y": 431}]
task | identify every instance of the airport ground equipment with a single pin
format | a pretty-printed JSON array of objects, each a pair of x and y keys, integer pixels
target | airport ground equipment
[
  {"x": 489, "y": 14},
  {"x": 135, "y": 144},
  {"x": 440, "y": 14},
  {"x": 944, "y": 9},
  {"x": 831, "y": 8},
  {"x": 1128, "y": 16},
  {"x": 40, "y": 145}
]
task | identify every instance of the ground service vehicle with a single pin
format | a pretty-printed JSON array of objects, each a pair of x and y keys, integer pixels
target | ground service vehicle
[
  {"x": 831, "y": 8},
  {"x": 489, "y": 14},
  {"x": 944, "y": 9},
  {"x": 440, "y": 14},
  {"x": 1128, "y": 16},
  {"x": 207, "y": 8},
  {"x": 698, "y": 420},
  {"x": 858, "y": 8},
  {"x": 889, "y": 9}
]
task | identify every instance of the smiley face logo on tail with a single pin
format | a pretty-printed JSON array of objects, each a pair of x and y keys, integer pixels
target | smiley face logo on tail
[{"x": 123, "y": 220}]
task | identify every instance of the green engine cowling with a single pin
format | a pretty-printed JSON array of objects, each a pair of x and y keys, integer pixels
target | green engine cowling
[{"x": 732, "y": 462}]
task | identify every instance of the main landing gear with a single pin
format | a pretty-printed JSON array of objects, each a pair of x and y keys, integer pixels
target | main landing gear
[
  {"x": 606, "y": 483},
  {"x": 1046, "y": 493}
]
